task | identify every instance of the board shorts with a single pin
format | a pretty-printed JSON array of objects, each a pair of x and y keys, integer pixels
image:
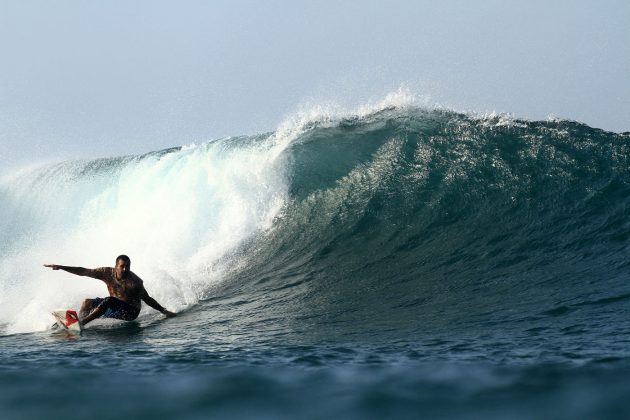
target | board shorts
[{"x": 116, "y": 308}]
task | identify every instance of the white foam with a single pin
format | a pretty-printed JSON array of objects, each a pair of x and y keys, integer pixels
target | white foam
[{"x": 179, "y": 216}]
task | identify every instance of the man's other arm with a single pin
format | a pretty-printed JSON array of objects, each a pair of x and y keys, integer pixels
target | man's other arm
[
  {"x": 79, "y": 271},
  {"x": 155, "y": 305}
]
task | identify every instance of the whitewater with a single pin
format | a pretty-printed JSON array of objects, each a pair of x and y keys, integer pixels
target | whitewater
[{"x": 395, "y": 260}]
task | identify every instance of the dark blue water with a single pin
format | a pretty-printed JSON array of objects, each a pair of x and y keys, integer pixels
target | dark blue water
[{"x": 405, "y": 263}]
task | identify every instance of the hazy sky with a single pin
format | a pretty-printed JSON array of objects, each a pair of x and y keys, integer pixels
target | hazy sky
[{"x": 107, "y": 78}]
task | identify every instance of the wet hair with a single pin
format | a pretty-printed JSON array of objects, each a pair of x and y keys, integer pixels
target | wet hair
[{"x": 124, "y": 258}]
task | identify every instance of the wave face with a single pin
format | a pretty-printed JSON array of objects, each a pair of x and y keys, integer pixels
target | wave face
[
  {"x": 408, "y": 221},
  {"x": 377, "y": 226}
]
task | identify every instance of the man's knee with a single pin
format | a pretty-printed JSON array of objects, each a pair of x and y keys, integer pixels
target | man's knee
[
  {"x": 87, "y": 307},
  {"x": 105, "y": 302},
  {"x": 103, "y": 305}
]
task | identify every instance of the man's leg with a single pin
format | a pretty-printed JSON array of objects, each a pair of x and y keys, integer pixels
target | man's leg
[
  {"x": 119, "y": 310},
  {"x": 94, "y": 309},
  {"x": 87, "y": 307}
]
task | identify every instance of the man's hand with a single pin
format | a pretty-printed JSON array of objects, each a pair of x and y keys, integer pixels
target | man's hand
[
  {"x": 168, "y": 314},
  {"x": 53, "y": 266}
]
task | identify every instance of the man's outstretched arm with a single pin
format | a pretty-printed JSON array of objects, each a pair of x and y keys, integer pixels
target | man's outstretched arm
[
  {"x": 155, "y": 305},
  {"x": 79, "y": 271}
]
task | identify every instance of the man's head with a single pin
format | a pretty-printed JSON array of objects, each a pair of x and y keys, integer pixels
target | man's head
[{"x": 123, "y": 266}]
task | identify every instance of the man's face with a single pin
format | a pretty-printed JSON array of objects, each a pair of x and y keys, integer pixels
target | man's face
[{"x": 122, "y": 269}]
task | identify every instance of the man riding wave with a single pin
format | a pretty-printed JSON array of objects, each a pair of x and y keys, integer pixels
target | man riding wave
[{"x": 126, "y": 292}]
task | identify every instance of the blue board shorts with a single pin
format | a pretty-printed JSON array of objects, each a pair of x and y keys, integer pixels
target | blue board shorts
[{"x": 116, "y": 308}]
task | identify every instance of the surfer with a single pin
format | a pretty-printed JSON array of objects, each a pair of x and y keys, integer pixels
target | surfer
[{"x": 126, "y": 292}]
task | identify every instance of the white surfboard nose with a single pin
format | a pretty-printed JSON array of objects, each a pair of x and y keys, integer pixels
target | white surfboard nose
[{"x": 68, "y": 319}]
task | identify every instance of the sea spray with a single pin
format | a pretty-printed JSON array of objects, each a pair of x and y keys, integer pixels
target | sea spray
[{"x": 178, "y": 213}]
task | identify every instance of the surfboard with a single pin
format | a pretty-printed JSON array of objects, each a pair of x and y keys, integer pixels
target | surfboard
[{"x": 68, "y": 320}]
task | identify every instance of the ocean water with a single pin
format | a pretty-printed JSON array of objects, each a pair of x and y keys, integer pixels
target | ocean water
[{"x": 395, "y": 262}]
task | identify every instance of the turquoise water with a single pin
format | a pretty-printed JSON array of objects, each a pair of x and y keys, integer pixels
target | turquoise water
[{"x": 402, "y": 262}]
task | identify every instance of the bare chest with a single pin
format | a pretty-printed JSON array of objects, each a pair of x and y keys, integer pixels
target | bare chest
[{"x": 125, "y": 289}]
